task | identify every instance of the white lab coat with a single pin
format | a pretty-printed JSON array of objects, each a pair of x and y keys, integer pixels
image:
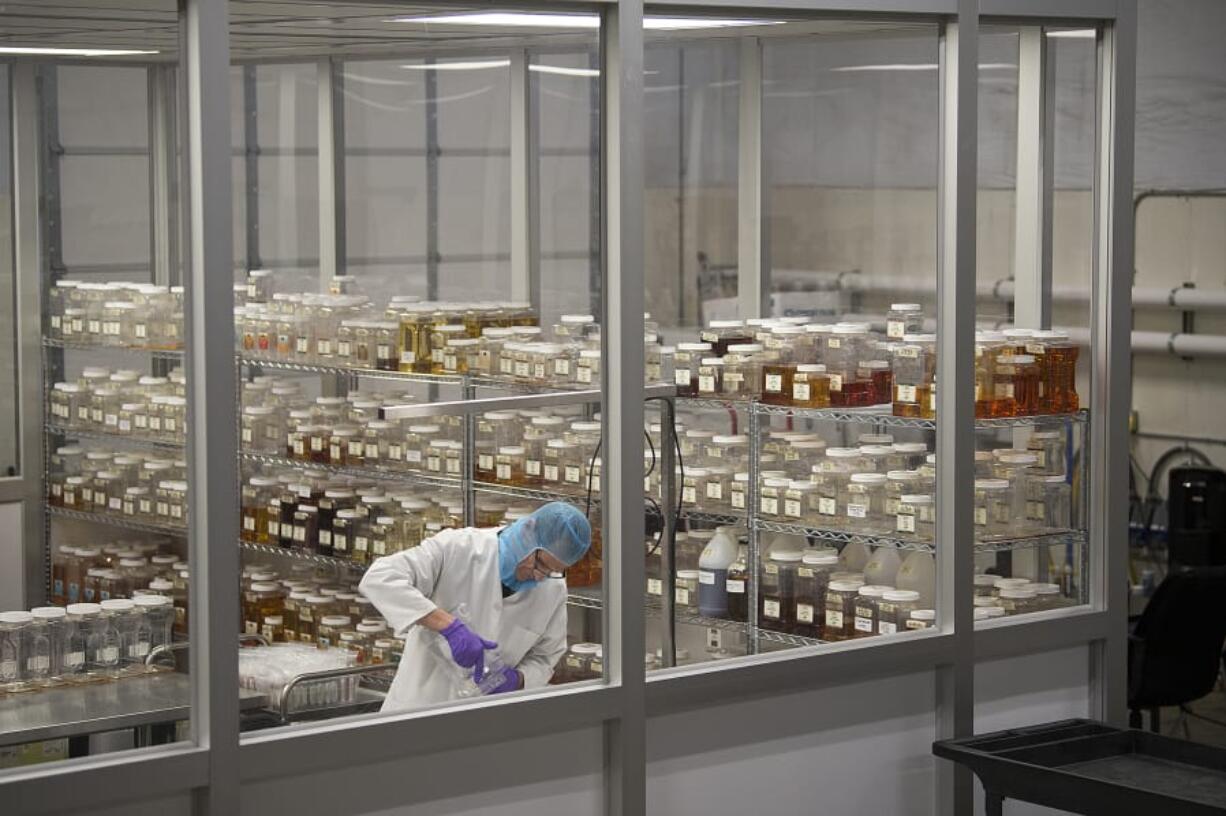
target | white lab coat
[{"x": 454, "y": 567}]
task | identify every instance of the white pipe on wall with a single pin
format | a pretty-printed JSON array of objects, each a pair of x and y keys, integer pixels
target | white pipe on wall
[{"x": 1179, "y": 298}]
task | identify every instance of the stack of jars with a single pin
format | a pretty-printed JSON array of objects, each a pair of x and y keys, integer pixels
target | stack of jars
[
  {"x": 1024, "y": 492},
  {"x": 319, "y": 513},
  {"x": 124, "y": 403},
  {"x": 1021, "y": 372},
  {"x": 116, "y": 314},
  {"x": 131, "y": 485},
  {"x": 1017, "y": 596}
]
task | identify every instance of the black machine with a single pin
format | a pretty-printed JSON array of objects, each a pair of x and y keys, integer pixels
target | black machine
[{"x": 1196, "y": 525}]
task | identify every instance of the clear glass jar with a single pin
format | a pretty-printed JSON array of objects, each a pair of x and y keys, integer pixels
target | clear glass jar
[
  {"x": 867, "y": 609},
  {"x": 1057, "y": 362},
  {"x": 778, "y": 608},
  {"x": 574, "y": 328},
  {"x": 122, "y": 642},
  {"x": 916, "y": 517},
  {"x": 13, "y": 675},
  {"x": 724, "y": 333},
  {"x": 687, "y": 360},
  {"x": 460, "y": 355},
  {"x": 993, "y": 509},
  {"x": 864, "y": 504},
  {"x": 711, "y": 377},
  {"x": 420, "y": 452},
  {"x": 659, "y": 364},
  {"x": 742, "y": 371},
  {"x": 509, "y": 466},
  {"x": 738, "y": 492},
  {"x": 894, "y": 610},
  {"x": 840, "y": 616},
  {"x": 1018, "y": 600},
  {"x": 812, "y": 578},
  {"x": 1049, "y": 449},
  {"x": 685, "y": 595},
  {"x": 771, "y": 497},
  {"x": 914, "y": 374},
  {"x": 1016, "y": 383},
  {"x": 810, "y": 386},
  {"x": 880, "y": 384},
  {"x": 921, "y": 619},
  {"x": 842, "y": 360},
  {"x": 439, "y": 337},
  {"x": 173, "y": 410},
  {"x": 800, "y": 502},
  {"x": 904, "y": 319}
]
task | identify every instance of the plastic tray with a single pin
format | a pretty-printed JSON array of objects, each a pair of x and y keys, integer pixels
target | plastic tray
[{"x": 1087, "y": 767}]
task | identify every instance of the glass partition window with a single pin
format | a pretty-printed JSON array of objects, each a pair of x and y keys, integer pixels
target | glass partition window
[
  {"x": 10, "y": 464},
  {"x": 800, "y": 454},
  {"x": 387, "y": 521},
  {"x": 100, "y": 646},
  {"x": 1037, "y": 133}
]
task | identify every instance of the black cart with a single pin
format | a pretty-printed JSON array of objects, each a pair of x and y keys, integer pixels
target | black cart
[{"x": 1084, "y": 766}]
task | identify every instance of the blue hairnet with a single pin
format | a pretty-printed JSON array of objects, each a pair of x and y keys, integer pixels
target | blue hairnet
[{"x": 558, "y": 528}]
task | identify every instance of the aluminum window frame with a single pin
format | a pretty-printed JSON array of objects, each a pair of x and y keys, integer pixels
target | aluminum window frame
[{"x": 216, "y": 762}]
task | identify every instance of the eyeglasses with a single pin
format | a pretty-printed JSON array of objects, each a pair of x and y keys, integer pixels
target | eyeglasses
[{"x": 540, "y": 568}]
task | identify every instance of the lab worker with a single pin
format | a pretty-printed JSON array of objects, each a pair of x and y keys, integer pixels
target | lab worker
[{"x": 510, "y": 580}]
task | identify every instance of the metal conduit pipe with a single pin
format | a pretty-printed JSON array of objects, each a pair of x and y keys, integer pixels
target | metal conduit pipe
[
  {"x": 1179, "y": 298},
  {"x": 1178, "y": 344}
]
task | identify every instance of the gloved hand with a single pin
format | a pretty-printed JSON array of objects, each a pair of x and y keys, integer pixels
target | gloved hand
[
  {"x": 467, "y": 649},
  {"x": 512, "y": 680}
]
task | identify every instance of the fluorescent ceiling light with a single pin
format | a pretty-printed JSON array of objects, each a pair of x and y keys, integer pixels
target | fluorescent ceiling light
[
  {"x": 1075, "y": 34},
  {"x": 474, "y": 65},
  {"x": 915, "y": 66},
  {"x": 560, "y": 71},
  {"x": 533, "y": 20},
  {"x": 72, "y": 52}
]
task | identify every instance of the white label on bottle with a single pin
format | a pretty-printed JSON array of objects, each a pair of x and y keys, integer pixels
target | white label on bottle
[
  {"x": 770, "y": 506},
  {"x": 485, "y": 461},
  {"x": 916, "y": 624},
  {"x": 453, "y": 467},
  {"x": 834, "y": 343},
  {"x": 334, "y": 452},
  {"x": 1036, "y": 510},
  {"x": 804, "y": 613},
  {"x": 583, "y": 374},
  {"x": 864, "y": 625},
  {"x": 163, "y": 508},
  {"x": 1004, "y": 390},
  {"x": 735, "y": 587},
  {"x": 1035, "y": 348},
  {"x": 857, "y": 511},
  {"x": 324, "y": 347},
  {"x": 706, "y": 384},
  {"x": 738, "y": 499},
  {"x": 55, "y": 321},
  {"x": 325, "y": 537},
  {"x": 791, "y": 508},
  {"x": 981, "y": 516},
  {"x": 339, "y": 544},
  {"x": 532, "y": 467},
  {"x": 561, "y": 366},
  {"x": 682, "y": 596},
  {"x": 551, "y": 473},
  {"x": 895, "y": 328},
  {"x": 907, "y": 352},
  {"x": 770, "y": 609},
  {"x": 433, "y": 463},
  {"x": 506, "y": 365},
  {"x": 521, "y": 369},
  {"x": 8, "y": 669},
  {"x": 108, "y": 655},
  {"x": 397, "y": 452},
  {"x": 114, "y": 503},
  {"x": 38, "y": 663},
  {"x": 302, "y": 345},
  {"x": 74, "y": 660},
  {"x": 95, "y": 326},
  {"x": 57, "y": 490},
  {"x": 689, "y": 495},
  {"x": 368, "y": 452},
  {"x": 886, "y": 628},
  {"x": 706, "y": 577},
  {"x": 827, "y": 506},
  {"x": 800, "y": 391},
  {"x": 891, "y": 505},
  {"x": 655, "y": 587},
  {"x": 836, "y": 382},
  {"x": 408, "y": 358},
  {"x": 774, "y": 383},
  {"x": 299, "y": 533},
  {"x": 932, "y": 400},
  {"x": 83, "y": 413},
  {"x": 905, "y": 523},
  {"x": 379, "y": 548},
  {"x": 715, "y": 490},
  {"x": 361, "y": 543},
  {"x": 681, "y": 377},
  {"x": 125, "y": 425},
  {"x": 176, "y": 511},
  {"x": 503, "y": 473},
  {"x": 343, "y": 348},
  {"x": 355, "y": 447},
  {"x": 905, "y": 393},
  {"x": 138, "y": 649},
  {"x": 274, "y": 528},
  {"x": 95, "y": 416},
  {"x": 249, "y": 523},
  {"x": 572, "y": 474},
  {"x": 146, "y": 506}
]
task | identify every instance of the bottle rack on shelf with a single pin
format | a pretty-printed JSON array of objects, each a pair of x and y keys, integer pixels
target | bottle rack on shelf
[
  {"x": 120, "y": 522},
  {"x": 175, "y": 355},
  {"x": 123, "y": 440}
]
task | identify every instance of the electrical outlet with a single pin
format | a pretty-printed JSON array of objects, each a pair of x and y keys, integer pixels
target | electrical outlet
[{"x": 715, "y": 638}]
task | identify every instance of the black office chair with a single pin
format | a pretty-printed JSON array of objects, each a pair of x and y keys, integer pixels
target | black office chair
[{"x": 1175, "y": 650}]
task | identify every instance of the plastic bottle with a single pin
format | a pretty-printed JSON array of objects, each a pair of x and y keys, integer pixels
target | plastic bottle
[
  {"x": 883, "y": 567},
  {"x": 854, "y": 557},
  {"x": 918, "y": 572},
  {"x": 713, "y": 565},
  {"x": 464, "y": 685}
]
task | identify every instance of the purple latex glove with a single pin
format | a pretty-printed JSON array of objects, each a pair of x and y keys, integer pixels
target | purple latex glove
[
  {"x": 467, "y": 649},
  {"x": 512, "y": 680}
]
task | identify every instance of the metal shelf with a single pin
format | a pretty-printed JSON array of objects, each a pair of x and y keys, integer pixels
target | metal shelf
[
  {"x": 298, "y": 555},
  {"x": 585, "y": 598},
  {"x": 53, "y": 343},
  {"x": 704, "y": 403},
  {"x": 532, "y": 494},
  {"x": 841, "y": 536},
  {"x": 134, "y": 440},
  {"x": 275, "y": 364},
  {"x": 382, "y": 474},
  {"x": 1053, "y": 538},
  {"x": 786, "y": 639},
  {"x": 876, "y": 415},
  {"x": 722, "y": 519},
  {"x": 115, "y": 521}
]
